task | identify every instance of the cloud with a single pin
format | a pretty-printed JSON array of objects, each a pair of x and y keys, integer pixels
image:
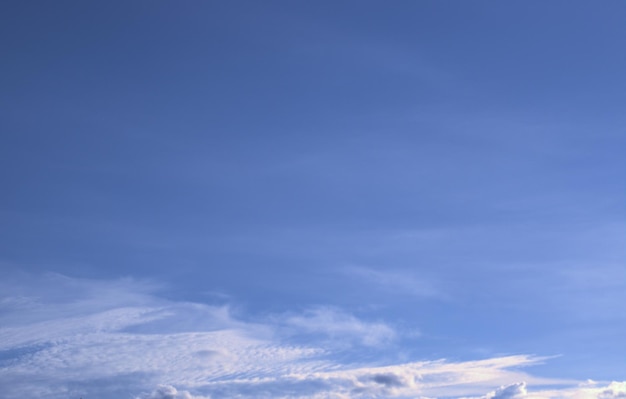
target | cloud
[
  {"x": 586, "y": 390},
  {"x": 592, "y": 390},
  {"x": 340, "y": 325},
  {"x": 169, "y": 392},
  {"x": 399, "y": 282},
  {"x": 58, "y": 342},
  {"x": 613, "y": 391},
  {"x": 389, "y": 380},
  {"x": 417, "y": 379},
  {"x": 108, "y": 339},
  {"x": 513, "y": 391}
]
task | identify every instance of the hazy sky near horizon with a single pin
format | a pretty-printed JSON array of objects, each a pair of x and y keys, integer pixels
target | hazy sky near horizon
[{"x": 323, "y": 199}]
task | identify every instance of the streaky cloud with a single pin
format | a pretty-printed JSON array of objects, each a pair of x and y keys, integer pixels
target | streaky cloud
[{"x": 122, "y": 334}]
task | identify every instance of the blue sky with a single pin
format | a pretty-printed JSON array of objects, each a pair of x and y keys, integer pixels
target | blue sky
[{"x": 356, "y": 199}]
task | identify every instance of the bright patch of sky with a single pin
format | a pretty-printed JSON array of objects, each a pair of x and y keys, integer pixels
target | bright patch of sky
[{"x": 278, "y": 199}]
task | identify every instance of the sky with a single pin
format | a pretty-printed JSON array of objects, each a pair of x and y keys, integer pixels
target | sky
[{"x": 312, "y": 199}]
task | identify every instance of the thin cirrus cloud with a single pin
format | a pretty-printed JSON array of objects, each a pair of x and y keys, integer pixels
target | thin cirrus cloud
[
  {"x": 143, "y": 345},
  {"x": 401, "y": 282},
  {"x": 337, "y": 324}
]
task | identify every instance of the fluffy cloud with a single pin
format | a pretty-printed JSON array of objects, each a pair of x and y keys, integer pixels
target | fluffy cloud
[
  {"x": 513, "y": 391},
  {"x": 613, "y": 391}
]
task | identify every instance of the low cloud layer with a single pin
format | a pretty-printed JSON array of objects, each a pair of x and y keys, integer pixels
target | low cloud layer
[
  {"x": 110, "y": 338},
  {"x": 585, "y": 390}
]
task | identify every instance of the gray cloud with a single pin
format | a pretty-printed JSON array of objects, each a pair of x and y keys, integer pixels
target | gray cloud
[{"x": 388, "y": 380}]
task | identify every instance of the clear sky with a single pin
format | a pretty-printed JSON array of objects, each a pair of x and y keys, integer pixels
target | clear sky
[{"x": 312, "y": 199}]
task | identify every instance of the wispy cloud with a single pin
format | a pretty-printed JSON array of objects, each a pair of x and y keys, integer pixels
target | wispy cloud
[
  {"x": 402, "y": 282},
  {"x": 78, "y": 337},
  {"x": 428, "y": 378},
  {"x": 341, "y": 325}
]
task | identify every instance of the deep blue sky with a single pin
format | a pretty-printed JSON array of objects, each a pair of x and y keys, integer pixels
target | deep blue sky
[{"x": 449, "y": 167}]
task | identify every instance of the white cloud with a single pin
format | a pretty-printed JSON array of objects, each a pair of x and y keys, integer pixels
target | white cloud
[
  {"x": 587, "y": 390},
  {"x": 169, "y": 392},
  {"x": 613, "y": 390},
  {"x": 513, "y": 391},
  {"x": 409, "y": 380},
  {"x": 340, "y": 325},
  {"x": 78, "y": 337}
]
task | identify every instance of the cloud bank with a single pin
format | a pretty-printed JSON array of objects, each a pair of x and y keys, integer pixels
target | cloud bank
[{"x": 64, "y": 337}]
